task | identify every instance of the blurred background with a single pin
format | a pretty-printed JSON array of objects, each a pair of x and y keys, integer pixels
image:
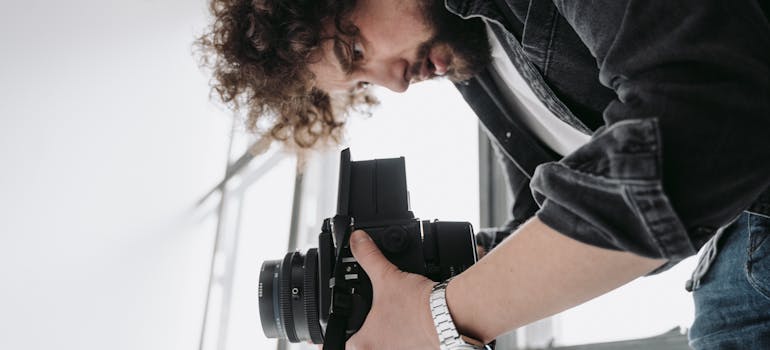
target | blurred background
[{"x": 133, "y": 217}]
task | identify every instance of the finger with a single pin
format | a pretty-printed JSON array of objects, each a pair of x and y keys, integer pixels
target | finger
[{"x": 369, "y": 256}]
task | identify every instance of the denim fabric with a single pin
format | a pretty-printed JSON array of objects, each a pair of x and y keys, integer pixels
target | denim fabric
[
  {"x": 682, "y": 87},
  {"x": 619, "y": 175},
  {"x": 732, "y": 304}
]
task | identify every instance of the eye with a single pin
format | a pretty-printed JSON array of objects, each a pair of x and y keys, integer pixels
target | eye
[
  {"x": 358, "y": 51},
  {"x": 361, "y": 86}
]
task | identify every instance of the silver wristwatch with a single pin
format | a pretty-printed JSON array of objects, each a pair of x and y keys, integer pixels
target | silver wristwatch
[{"x": 448, "y": 337}]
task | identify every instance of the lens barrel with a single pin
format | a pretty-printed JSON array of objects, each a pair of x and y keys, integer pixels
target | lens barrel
[
  {"x": 288, "y": 298},
  {"x": 456, "y": 246}
]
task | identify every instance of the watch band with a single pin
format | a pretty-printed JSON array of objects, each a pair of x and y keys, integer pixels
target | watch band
[{"x": 448, "y": 337}]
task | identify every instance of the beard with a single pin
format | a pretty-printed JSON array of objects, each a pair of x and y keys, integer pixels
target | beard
[{"x": 466, "y": 39}]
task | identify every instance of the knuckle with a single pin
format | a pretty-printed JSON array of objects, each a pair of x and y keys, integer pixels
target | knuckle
[
  {"x": 391, "y": 271},
  {"x": 370, "y": 251}
]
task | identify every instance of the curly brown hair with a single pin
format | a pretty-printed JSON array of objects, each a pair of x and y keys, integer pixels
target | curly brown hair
[{"x": 259, "y": 51}]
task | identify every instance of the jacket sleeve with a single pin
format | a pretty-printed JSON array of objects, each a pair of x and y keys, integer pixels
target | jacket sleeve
[{"x": 686, "y": 146}]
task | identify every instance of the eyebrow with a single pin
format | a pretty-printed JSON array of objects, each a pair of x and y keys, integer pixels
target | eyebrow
[{"x": 341, "y": 53}]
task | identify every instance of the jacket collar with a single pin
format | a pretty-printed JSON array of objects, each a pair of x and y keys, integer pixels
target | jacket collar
[{"x": 473, "y": 8}]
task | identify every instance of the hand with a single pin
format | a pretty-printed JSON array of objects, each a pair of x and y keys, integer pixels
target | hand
[{"x": 400, "y": 315}]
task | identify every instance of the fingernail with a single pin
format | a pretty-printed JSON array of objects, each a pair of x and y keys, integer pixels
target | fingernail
[{"x": 359, "y": 236}]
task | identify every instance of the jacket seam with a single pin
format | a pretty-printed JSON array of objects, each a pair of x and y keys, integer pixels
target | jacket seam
[{"x": 549, "y": 48}]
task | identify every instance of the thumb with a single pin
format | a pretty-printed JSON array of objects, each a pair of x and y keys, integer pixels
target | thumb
[{"x": 369, "y": 256}]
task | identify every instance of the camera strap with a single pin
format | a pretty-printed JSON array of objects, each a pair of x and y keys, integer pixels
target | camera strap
[{"x": 336, "y": 329}]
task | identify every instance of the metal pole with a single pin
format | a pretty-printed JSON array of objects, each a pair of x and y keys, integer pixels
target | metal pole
[
  {"x": 296, "y": 211},
  {"x": 217, "y": 236}
]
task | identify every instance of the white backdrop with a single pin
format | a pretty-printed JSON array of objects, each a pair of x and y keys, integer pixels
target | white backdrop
[{"x": 106, "y": 140}]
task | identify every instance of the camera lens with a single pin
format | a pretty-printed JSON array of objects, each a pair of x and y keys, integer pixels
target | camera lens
[
  {"x": 449, "y": 247},
  {"x": 288, "y": 298}
]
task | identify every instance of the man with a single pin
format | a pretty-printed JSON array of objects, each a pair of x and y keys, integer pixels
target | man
[{"x": 641, "y": 127}]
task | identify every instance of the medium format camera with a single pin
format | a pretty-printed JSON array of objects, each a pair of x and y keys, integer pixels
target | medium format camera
[{"x": 324, "y": 296}]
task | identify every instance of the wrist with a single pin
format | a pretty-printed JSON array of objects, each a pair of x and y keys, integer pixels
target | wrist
[
  {"x": 429, "y": 328},
  {"x": 448, "y": 335},
  {"x": 461, "y": 308}
]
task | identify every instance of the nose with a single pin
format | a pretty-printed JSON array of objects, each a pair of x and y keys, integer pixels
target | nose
[{"x": 390, "y": 75}]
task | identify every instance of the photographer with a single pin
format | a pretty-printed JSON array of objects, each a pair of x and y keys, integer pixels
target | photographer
[{"x": 633, "y": 134}]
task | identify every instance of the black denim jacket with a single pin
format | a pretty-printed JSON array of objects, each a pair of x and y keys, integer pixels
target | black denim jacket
[{"x": 676, "y": 96}]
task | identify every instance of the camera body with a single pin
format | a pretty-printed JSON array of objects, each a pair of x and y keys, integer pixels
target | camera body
[{"x": 324, "y": 296}]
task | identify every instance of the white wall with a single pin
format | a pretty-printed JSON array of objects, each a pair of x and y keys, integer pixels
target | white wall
[
  {"x": 436, "y": 132},
  {"x": 106, "y": 140}
]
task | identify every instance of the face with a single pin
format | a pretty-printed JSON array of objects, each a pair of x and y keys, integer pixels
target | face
[{"x": 400, "y": 42}]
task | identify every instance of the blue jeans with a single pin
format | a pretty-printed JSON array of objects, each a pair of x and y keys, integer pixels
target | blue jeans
[{"x": 732, "y": 301}]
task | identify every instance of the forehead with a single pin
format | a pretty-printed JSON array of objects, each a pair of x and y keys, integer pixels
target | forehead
[{"x": 329, "y": 75}]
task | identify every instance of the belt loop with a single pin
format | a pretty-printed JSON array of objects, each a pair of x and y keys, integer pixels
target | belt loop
[
  {"x": 710, "y": 251},
  {"x": 704, "y": 262}
]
